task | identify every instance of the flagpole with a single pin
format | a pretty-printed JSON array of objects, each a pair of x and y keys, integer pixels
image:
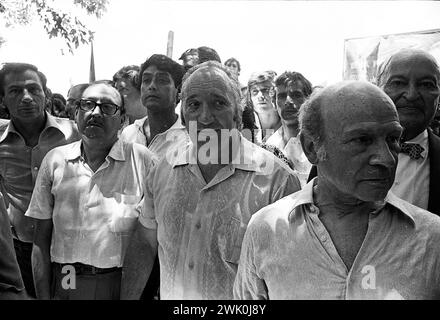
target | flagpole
[
  {"x": 92, "y": 77},
  {"x": 170, "y": 44}
]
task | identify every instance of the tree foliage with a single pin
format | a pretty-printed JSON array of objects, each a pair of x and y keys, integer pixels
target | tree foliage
[{"x": 58, "y": 23}]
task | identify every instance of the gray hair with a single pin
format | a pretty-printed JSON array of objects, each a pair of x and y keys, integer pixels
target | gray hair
[
  {"x": 233, "y": 84},
  {"x": 311, "y": 122}
]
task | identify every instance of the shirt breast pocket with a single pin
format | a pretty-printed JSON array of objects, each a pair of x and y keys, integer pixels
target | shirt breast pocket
[
  {"x": 123, "y": 212},
  {"x": 231, "y": 238}
]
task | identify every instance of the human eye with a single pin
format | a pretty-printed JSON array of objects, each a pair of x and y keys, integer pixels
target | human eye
[
  {"x": 14, "y": 91},
  {"x": 35, "y": 90},
  {"x": 87, "y": 105},
  {"x": 362, "y": 140},
  {"x": 192, "y": 105},
  {"x": 220, "y": 103},
  {"x": 109, "y": 108},
  {"x": 397, "y": 83},
  {"x": 428, "y": 84},
  {"x": 254, "y": 92},
  {"x": 163, "y": 80},
  {"x": 146, "y": 79},
  {"x": 282, "y": 96}
]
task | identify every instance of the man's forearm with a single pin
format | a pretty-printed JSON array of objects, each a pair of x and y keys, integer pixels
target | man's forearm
[
  {"x": 42, "y": 271},
  {"x": 138, "y": 264}
]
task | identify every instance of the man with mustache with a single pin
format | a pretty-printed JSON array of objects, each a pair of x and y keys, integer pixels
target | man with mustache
[
  {"x": 411, "y": 78},
  {"x": 200, "y": 202},
  {"x": 29, "y": 135},
  {"x": 85, "y": 203},
  {"x": 292, "y": 89},
  {"x": 344, "y": 235}
]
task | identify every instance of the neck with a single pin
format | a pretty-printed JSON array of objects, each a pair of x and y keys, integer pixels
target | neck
[
  {"x": 30, "y": 130},
  {"x": 332, "y": 202},
  {"x": 289, "y": 132},
  {"x": 138, "y": 112},
  {"x": 269, "y": 120},
  {"x": 160, "y": 122},
  {"x": 95, "y": 151},
  {"x": 225, "y": 156}
]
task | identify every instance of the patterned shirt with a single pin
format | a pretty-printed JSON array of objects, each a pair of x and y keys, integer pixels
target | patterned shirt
[
  {"x": 200, "y": 226},
  {"x": 19, "y": 165},
  {"x": 93, "y": 213},
  {"x": 288, "y": 254}
]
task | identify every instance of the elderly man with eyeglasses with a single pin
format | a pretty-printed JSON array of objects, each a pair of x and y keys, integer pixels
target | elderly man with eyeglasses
[{"x": 85, "y": 203}]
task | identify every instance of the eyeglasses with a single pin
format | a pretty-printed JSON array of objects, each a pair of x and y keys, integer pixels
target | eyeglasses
[{"x": 107, "y": 108}]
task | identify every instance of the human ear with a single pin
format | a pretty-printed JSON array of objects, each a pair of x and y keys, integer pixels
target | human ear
[{"x": 310, "y": 148}]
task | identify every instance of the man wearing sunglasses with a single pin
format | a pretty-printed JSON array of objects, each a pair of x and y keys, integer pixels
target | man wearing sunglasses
[{"x": 85, "y": 203}]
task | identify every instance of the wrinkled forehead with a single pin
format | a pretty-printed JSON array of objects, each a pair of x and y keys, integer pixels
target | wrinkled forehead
[
  {"x": 102, "y": 92},
  {"x": 410, "y": 62},
  {"x": 209, "y": 78},
  {"x": 27, "y": 76}
]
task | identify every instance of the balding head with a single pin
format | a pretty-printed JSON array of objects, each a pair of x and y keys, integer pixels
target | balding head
[{"x": 351, "y": 130}]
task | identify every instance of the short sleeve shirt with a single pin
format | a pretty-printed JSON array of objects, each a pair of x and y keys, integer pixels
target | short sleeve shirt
[
  {"x": 93, "y": 213},
  {"x": 200, "y": 226}
]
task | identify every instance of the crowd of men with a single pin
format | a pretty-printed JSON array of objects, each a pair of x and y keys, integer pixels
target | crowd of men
[{"x": 175, "y": 181}]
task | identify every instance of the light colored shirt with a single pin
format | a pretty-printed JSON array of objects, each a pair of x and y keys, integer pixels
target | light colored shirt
[
  {"x": 19, "y": 165},
  {"x": 162, "y": 142},
  {"x": 93, "y": 213},
  {"x": 287, "y": 253},
  {"x": 412, "y": 176},
  {"x": 292, "y": 149},
  {"x": 200, "y": 226}
]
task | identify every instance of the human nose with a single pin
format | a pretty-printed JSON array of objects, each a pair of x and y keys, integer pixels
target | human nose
[
  {"x": 96, "y": 111},
  {"x": 383, "y": 155},
  {"x": 26, "y": 96},
  {"x": 412, "y": 92},
  {"x": 205, "y": 116}
]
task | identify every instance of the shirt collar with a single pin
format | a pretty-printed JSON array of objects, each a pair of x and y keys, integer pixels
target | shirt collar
[
  {"x": 422, "y": 140},
  {"x": 176, "y": 126},
  {"x": 305, "y": 196},
  {"x": 116, "y": 152},
  {"x": 252, "y": 158},
  {"x": 50, "y": 123}
]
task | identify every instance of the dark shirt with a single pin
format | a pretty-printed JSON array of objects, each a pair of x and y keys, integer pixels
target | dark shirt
[{"x": 10, "y": 278}]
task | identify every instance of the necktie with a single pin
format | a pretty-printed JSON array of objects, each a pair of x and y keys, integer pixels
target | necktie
[{"x": 414, "y": 150}]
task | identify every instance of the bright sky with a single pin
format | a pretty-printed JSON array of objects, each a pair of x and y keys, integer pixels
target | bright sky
[{"x": 304, "y": 36}]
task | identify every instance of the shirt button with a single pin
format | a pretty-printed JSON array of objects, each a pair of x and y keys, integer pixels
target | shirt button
[
  {"x": 36, "y": 168},
  {"x": 191, "y": 265},
  {"x": 324, "y": 239},
  {"x": 198, "y": 225}
]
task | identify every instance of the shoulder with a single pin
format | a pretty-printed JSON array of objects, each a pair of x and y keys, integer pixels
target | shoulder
[
  {"x": 425, "y": 222},
  {"x": 139, "y": 151},
  {"x": 3, "y": 125},
  {"x": 133, "y": 132},
  {"x": 67, "y": 126},
  {"x": 266, "y": 161},
  {"x": 276, "y": 215}
]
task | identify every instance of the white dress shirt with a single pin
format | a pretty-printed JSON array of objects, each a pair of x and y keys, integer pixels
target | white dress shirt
[{"x": 412, "y": 176}]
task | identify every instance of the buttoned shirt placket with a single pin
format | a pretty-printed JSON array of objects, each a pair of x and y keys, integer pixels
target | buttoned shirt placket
[{"x": 197, "y": 236}]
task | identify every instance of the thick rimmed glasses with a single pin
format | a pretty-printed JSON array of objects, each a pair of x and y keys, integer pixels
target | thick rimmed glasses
[{"x": 107, "y": 108}]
